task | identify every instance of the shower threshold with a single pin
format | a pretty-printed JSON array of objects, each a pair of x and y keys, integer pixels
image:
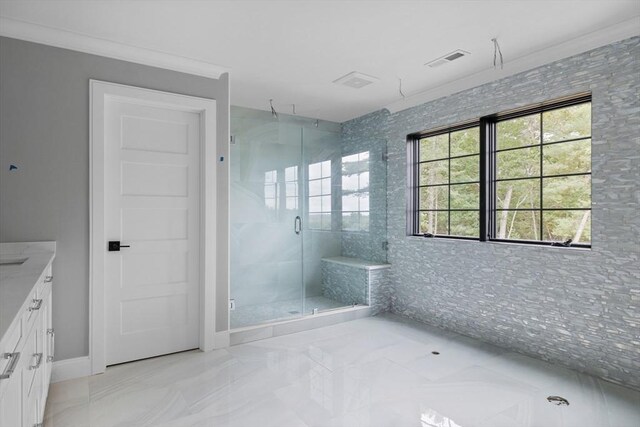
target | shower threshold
[
  {"x": 290, "y": 325},
  {"x": 281, "y": 310}
]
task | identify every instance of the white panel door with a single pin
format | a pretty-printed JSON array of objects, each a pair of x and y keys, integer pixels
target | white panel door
[{"x": 152, "y": 206}]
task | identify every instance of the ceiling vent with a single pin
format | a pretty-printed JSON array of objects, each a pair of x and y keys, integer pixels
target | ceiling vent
[
  {"x": 452, "y": 56},
  {"x": 356, "y": 80}
]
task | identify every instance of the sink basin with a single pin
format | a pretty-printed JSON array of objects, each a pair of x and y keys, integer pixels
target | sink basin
[{"x": 13, "y": 261}]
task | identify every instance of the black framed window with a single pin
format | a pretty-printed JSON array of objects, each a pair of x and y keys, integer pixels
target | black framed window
[
  {"x": 448, "y": 182},
  {"x": 522, "y": 176}
]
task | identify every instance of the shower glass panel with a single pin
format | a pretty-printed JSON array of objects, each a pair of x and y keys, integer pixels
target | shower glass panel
[
  {"x": 301, "y": 196},
  {"x": 266, "y": 218},
  {"x": 321, "y": 230}
]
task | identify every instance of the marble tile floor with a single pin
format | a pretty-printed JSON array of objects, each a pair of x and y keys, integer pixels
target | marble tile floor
[
  {"x": 280, "y": 310},
  {"x": 378, "y": 371}
]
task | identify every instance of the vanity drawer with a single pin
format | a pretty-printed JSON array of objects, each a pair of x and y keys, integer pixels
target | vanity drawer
[
  {"x": 32, "y": 359},
  {"x": 35, "y": 303},
  {"x": 9, "y": 360}
]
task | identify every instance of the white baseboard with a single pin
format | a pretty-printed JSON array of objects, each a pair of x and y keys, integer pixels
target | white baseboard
[{"x": 71, "y": 368}]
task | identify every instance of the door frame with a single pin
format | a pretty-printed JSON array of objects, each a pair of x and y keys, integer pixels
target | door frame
[{"x": 206, "y": 109}]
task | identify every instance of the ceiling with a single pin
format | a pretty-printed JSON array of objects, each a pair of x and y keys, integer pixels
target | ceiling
[{"x": 292, "y": 51}]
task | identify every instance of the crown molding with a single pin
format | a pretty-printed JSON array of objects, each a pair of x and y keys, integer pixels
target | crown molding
[
  {"x": 37, "y": 33},
  {"x": 608, "y": 35}
]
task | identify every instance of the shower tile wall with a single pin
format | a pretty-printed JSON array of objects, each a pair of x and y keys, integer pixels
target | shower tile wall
[{"x": 580, "y": 308}]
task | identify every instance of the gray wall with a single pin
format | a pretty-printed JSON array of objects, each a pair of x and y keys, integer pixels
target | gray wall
[
  {"x": 44, "y": 130},
  {"x": 574, "y": 307}
]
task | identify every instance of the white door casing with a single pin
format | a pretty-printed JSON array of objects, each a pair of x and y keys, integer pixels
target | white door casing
[{"x": 153, "y": 188}]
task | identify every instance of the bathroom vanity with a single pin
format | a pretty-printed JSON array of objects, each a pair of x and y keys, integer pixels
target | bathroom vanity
[{"x": 26, "y": 333}]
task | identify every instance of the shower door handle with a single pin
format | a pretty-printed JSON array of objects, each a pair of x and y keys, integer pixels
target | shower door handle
[{"x": 297, "y": 225}]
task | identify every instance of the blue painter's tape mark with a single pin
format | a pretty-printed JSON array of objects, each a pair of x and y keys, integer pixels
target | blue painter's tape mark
[{"x": 13, "y": 168}]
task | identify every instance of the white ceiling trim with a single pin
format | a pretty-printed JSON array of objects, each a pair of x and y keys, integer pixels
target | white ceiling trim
[
  {"x": 611, "y": 34},
  {"x": 28, "y": 31}
]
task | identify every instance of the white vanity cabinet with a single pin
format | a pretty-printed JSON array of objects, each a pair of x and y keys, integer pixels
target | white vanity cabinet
[{"x": 27, "y": 340}]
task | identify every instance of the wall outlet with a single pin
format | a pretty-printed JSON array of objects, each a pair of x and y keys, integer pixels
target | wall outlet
[{"x": 232, "y": 304}]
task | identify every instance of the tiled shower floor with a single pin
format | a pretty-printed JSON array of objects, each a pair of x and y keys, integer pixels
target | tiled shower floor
[
  {"x": 279, "y": 310},
  {"x": 373, "y": 372}
]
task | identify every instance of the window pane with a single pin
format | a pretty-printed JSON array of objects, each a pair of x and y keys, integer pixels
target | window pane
[
  {"x": 434, "y": 197},
  {"x": 364, "y": 201},
  {"x": 353, "y": 158},
  {"x": 364, "y": 221},
  {"x": 364, "y": 181},
  {"x": 291, "y": 189},
  {"x": 350, "y": 182},
  {"x": 465, "y": 224},
  {"x": 326, "y": 221},
  {"x": 465, "y": 141},
  {"x": 567, "y": 157},
  {"x": 350, "y": 202},
  {"x": 518, "y": 225},
  {"x": 435, "y": 147},
  {"x": 326, "y": 186},
  {"x": 465, "y": 169},
  {"x": 326, "y": 203},
  {"x": 567, "y": 192},
  {"x": 464, "y": 196},
  {"x": 567, "y": 123},
  {"x": 350, "y": 221},
  {"x": 291, "y": 173},
  {"x": 326, "y": 168},
  {"x": 518, "y": 163},
  {"x": 315, "y": 221},
  {"x": 434, "y": 172},
  {"x": 291, "y": 203},
  {"x": 315, "y": 204},
  {"x": 518, "y": 132},
  {"x": 434, "y": 222},
  {"x": 315, "y": 171},
  {"x": 315, "y": 188},
  {"x": 519, "y": 194},
  {"x": 563, "y": 225}
]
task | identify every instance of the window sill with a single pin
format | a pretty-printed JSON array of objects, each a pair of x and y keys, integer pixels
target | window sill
[{"x": 500, "y": 243}]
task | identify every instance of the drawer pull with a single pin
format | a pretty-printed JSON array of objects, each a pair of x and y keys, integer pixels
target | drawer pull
[
  {"x": 14, "y": 357},
  {"x": 52, "y": 333},
  {"x": 37, "y": 303},
  {"x": 48, "y": 279},
  {"x": 38, "y": 357}
]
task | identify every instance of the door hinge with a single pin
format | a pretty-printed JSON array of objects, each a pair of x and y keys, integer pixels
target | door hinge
[
  {"x": 232, "y": 304},
  {"x": 385, "y": 157},
  {"x": 232, "y": 140},
  {"x": 385, "y": 246}
]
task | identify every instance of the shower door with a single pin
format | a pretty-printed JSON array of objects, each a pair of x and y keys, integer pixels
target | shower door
[{"x": 266, "y": 219}]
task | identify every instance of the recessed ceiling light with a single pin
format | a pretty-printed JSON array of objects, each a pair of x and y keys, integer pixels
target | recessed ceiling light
[
  {"x": 356, "y": 80},
  {"x": 451, "y": 56}
]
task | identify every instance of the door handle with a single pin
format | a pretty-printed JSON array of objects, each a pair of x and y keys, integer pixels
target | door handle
[
  {"x": 11, "y": 367},
  {"x": 297, "y": 225},
  {"x": 114, "y": 246}
]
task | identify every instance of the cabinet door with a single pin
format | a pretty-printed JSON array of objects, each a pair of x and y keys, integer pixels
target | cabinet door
[
  {"x": 47, "y": 341},
  {"x": 11, "y": 400},
  {"x": 32, "y": 376}
]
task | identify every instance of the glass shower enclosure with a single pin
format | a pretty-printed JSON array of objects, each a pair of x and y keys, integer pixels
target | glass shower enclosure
[{"x": 294, "y": 193}]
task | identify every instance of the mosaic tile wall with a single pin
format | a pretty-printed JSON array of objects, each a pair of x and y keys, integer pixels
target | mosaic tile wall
[
  {"x": 348, "y": 285},
  {"x": 579, "y": 308}
]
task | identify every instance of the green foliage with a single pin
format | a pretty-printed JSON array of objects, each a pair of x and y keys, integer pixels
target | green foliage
[{"x": 522, "y": 166}]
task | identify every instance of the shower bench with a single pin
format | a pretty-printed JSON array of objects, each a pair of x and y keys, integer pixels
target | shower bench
[{"x": 354, "y": 281}]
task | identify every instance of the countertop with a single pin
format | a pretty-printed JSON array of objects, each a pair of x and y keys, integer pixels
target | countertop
[{"x": 17, "y": 281}]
